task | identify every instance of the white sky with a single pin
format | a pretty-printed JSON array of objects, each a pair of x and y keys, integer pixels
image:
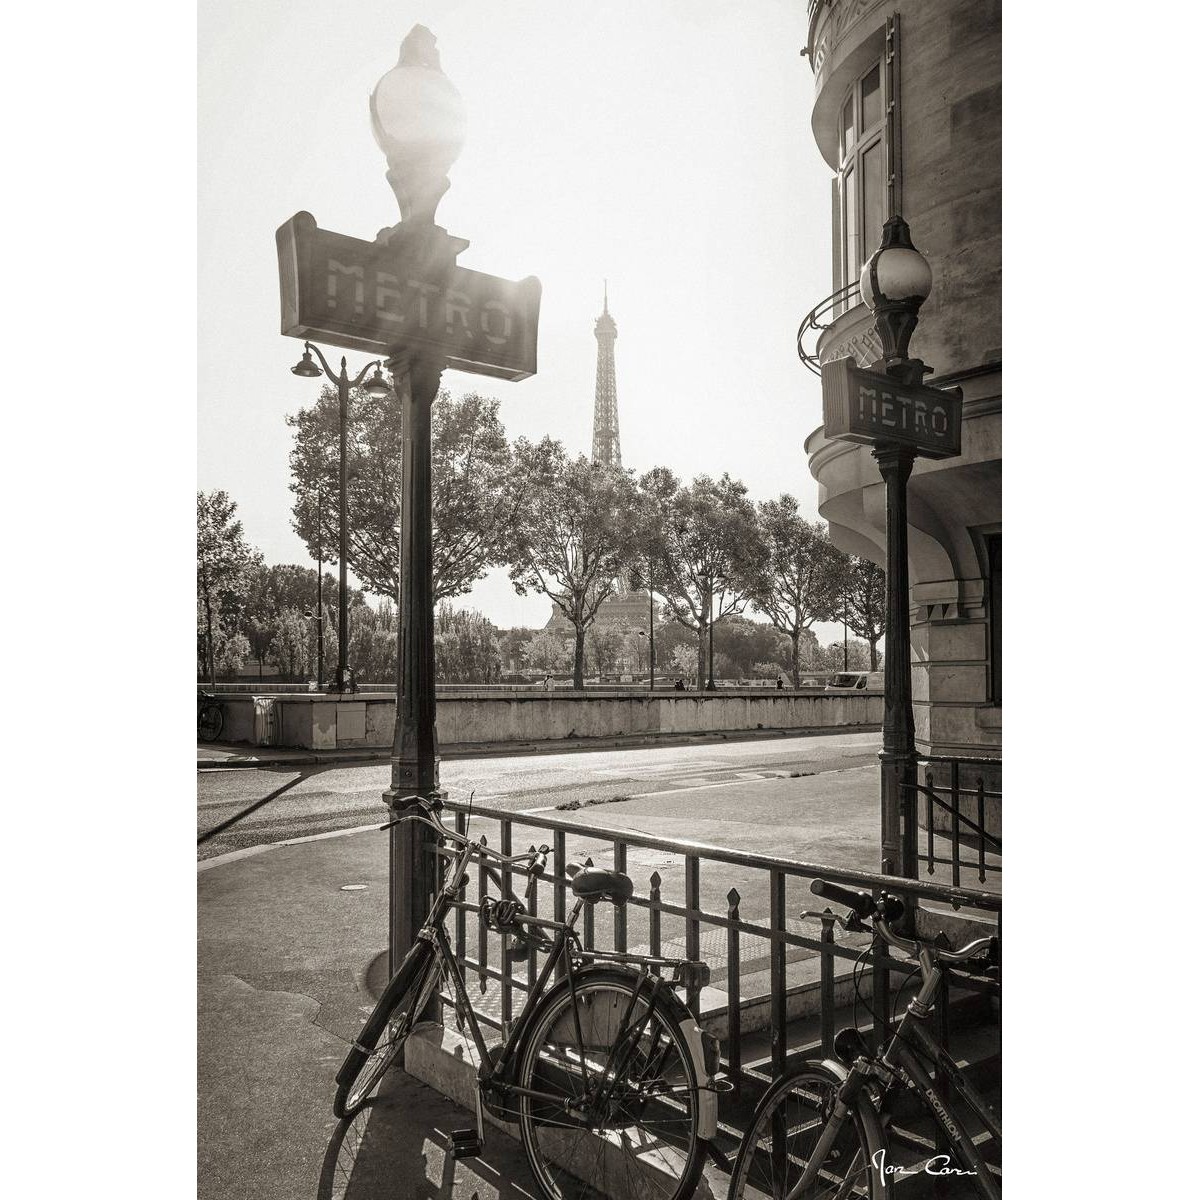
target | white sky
[{"x": 662, "y": 146}]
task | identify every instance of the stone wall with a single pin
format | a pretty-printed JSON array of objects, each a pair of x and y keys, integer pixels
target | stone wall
[{"x": 329, "y": 722}]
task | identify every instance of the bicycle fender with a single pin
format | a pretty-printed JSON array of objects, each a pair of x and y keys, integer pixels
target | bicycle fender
[{"x": 706, "y": 1095}]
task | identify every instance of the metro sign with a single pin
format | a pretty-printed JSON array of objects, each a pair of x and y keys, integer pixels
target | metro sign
[
  {"x": 386, "y": 297},
  {"x": 862, "y": 406}
]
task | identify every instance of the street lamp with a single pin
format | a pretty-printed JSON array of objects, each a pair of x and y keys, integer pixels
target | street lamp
[
  {"x": 375, "y": 386},
  {"x": 895, "y": 282}
]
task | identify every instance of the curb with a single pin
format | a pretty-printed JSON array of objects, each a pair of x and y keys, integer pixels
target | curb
[{"x": 515, "y": 749}]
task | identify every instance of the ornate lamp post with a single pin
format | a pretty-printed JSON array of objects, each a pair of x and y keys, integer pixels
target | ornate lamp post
[
  {"x": 895, "y": 282},
  {"x": 418, "y": 120},
  {"x": 404, "y": 297},
  {"x": 375, "y": 386}
]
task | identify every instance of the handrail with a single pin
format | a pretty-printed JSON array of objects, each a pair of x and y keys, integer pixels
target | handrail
[
  {"x": 985, "y": 841},
  {"x": 955, "y": 896},
  {"x": 728, "y": 927},
  {"x": 812, "y": 323}
]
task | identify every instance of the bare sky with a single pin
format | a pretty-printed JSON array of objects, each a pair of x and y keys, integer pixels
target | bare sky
[{"x": 663, "y": 146}]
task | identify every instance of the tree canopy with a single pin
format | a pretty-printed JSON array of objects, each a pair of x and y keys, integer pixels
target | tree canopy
[
  {"x": 572, "y": 540},
  {"x": 798, "y": 579},
  {"x": 706, "y": 557},
  {"x": 223, "y": 563},
  {"x": 477, "y": 496}
]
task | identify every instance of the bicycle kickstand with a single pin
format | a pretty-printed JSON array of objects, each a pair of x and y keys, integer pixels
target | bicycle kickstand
[{"x": 468, "y": 1143}]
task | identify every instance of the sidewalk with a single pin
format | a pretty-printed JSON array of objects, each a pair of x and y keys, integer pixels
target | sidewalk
[{"x": 283, "y": 953}]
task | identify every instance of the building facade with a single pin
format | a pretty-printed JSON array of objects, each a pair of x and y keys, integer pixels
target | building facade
[{"x": 907, "y": 114}]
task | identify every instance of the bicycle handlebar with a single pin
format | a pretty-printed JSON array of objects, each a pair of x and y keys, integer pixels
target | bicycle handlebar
[
  {"x": 428, "y": 816},
  {"x": 882, "y": 912}
]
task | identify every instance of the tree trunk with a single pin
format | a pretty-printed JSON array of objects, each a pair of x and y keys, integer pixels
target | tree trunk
[
  {"x": 874, "y": 654},
  {"x": 702, "y": 626},
  {"x": 711, "y": 682},
  {"x": 208, "y": 638},
  {"x": 795, "y": 655},
  {"x": 578, "y": 679}
]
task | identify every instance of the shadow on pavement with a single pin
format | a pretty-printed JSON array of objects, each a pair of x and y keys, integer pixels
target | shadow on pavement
[{"x": 384, "y": 1154}]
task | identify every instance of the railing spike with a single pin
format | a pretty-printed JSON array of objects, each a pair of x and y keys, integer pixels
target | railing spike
[
  {"x": 655, "y": 880},
  {"x": 734, "y": 897}
]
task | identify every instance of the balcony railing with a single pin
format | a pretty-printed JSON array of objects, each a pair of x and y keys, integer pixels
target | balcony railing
[
  {"x": 744, "y": 932},
  {"x": 819, "y": 320}
]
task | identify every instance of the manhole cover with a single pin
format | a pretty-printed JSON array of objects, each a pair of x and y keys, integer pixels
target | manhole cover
[{"x": 353, "y": 887}]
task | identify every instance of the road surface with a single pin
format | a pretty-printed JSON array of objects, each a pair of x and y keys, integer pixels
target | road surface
[{"x": 313, "y": 800}]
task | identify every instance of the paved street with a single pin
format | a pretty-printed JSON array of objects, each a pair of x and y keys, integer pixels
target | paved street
[{"x": 315, "y": 800}]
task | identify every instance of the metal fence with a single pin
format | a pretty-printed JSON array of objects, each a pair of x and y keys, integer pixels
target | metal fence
[
  {"x": 960, "y": 839},
  {"x": 737, "y": 932}
]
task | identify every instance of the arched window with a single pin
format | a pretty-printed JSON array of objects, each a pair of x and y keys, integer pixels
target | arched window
[{"x": 862, "y": 173}]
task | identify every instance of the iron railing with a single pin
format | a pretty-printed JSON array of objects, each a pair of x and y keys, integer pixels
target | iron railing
[
  {"x": 814, "y": 323},
  {"x": 964, "y": 841},
  {"x": 751, "y": 930}
]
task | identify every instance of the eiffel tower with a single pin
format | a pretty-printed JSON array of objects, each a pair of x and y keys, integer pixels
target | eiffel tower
[
  {"x": 625, "y": 608},
  {"x": 606, "y": 429}
]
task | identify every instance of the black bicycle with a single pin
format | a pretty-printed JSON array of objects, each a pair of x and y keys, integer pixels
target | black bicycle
[
  {"x": 210, "y": 720},
  {"x": 612, "y": 1083},
  {"x": 822, "y": 1129}
]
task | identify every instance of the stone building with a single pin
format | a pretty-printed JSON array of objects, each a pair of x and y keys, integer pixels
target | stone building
[{"x": 907, "y": 116}]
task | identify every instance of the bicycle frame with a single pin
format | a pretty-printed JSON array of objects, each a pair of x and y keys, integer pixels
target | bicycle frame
[
  {"x": 495, "y": 1068},
  {"x": 899, "y": 1058}
]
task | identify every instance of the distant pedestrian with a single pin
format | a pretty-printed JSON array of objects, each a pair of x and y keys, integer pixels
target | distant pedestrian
[
  {"x": 679, "y": 685},
  {"x": 547, "y": 683},
  {"x": 779, "y": 683}
]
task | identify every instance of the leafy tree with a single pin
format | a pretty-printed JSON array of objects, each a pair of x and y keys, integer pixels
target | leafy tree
[
  {"x": 865, "y": 590},
  {"x": 831, "y": 658},
  {"x": 684, "y": 660},
  {"x": 767, "y": 670},
  {"x": 708, "y": 554},
  {"x": 798, "y": 578},
  {"x": 741, "y": 643},
  {"x": 223, "y": 563},
  {"x": 512, "y": 647},
  {"x": 293, "y": 644},
  {"x": 606, "y": 644},
  {"x": 466, "y": 646},
  {"x": 572, "y": 542},
  {"x": 373, "y": 647},
  {"x": 287, "y": 585},
  {"x": 544, "y": 653},
  {"x": 477, "y": 496}
]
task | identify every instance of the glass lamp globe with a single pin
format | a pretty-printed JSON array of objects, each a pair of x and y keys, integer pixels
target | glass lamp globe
[
  {"x": 897, "y": 271},
  {"x": 419, "y": 121}
]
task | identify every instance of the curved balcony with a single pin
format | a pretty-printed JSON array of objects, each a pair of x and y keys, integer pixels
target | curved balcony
[{"x": 841, "y": 326}]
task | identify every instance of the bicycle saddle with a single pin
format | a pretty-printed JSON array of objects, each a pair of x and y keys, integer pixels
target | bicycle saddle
[{"x": 595, "y": 883}]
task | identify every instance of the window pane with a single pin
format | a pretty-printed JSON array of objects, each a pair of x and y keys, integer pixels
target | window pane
[
  {"x": 871, "y": 100},
  {"x": 848, "y": 127},
  {"x": 850, "y": 227},
  {"x": 872, "y": 197}
]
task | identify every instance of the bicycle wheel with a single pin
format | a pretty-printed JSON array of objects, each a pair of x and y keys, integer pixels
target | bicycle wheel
[
  {"x": 210, "y": 723},
  {"x": 785, "y": 1128},
  {"x": 382, "y": 1037},
  {"x": 616, "y": 1110}
]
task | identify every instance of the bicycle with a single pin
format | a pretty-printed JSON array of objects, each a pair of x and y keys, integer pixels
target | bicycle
[
  {"x": 822, "y": 1128},
  {"x": 210, "y": 719},
  {"x": 612, "y": 1083}
]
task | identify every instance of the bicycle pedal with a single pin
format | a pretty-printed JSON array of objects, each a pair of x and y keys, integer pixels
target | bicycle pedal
[{"x": 465, "y": 1143}]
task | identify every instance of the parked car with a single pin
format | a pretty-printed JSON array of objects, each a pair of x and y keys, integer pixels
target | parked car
[{"x": 856, "y": 681}]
